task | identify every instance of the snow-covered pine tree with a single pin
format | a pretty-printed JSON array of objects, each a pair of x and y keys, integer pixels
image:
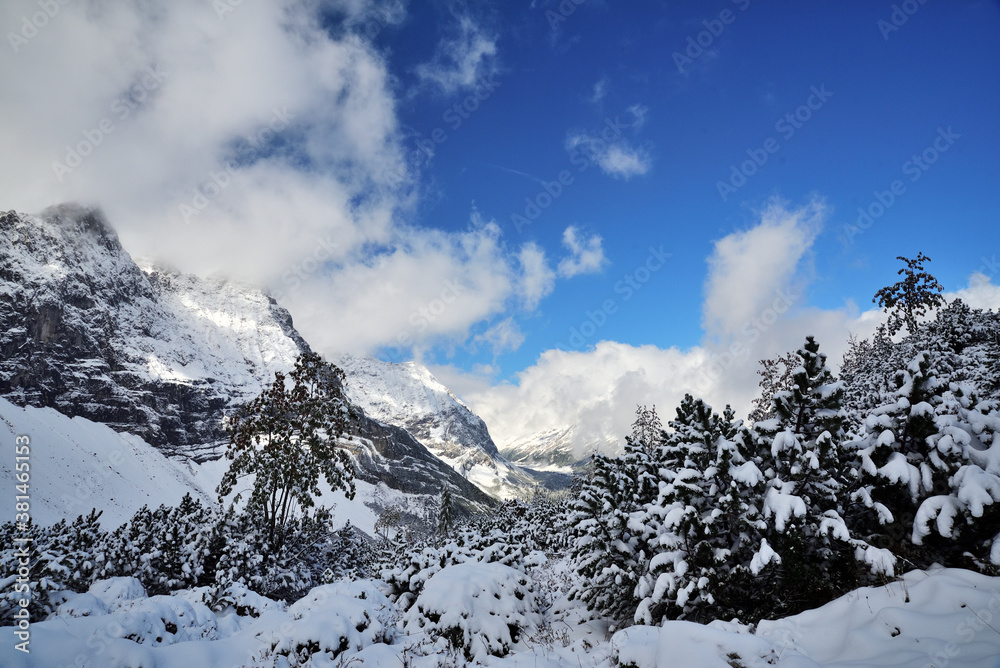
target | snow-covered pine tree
[
  {"x": 800, "y": 453},
  {"x": 703, "y": 521},
  {"x": 893, "y": 448},
  {"x": 131, "y": 548},
  {"x": 775, "y": 376},
  {"x": 606, "y": 549},
  {"x": 962, "y": 524},
  {"x": 446, "y": 514},
  {"x": 84, "y": 551}
]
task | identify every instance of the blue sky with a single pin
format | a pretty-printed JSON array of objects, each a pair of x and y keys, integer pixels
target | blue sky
[
  {"x": 697, "y": 169},
  {"x": 891, "y": 90}
]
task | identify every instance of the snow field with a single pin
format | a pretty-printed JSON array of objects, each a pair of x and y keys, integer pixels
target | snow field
[{"x": 941, "y": 618}]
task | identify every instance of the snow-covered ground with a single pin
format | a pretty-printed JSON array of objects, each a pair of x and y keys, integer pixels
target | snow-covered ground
[{"x": 941, "y": 618}]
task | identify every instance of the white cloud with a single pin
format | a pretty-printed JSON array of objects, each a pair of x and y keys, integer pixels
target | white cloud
[
  {"x": 639, "y": 113},
  {"x": 598, "y": 389},
  {"x": 624, "y": 161},
  {"x": 614, "y": 154},
  {"x": 504, "y": 336},
  {"x": 748, "y": 270},
  {"x": 587, "y": 257},
  {"x": 177, "y": 91},
  {"x": 980, "y": 293},
  {"x": 428, "y": 290},
  {"x": 537, "y": 279},
  {"x": 599, "y": 91},
  {"x": 258, "y": 145},
  {"x": 462, "y": 58},
  {"x": 619, "y": 159}
]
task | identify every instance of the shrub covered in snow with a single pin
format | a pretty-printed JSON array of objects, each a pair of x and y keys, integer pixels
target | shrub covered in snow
[
  {"x": 407, "y": 579},
  {"x": 331, "y": 620},
  {"x": 479, "y": 608}
]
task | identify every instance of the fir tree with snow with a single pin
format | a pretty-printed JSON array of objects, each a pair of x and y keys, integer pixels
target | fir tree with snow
[
  {"x": 446, "y": 514},
  {"x": 800, "y": 452},
  {"x": 702, "y": 526},
  {"x": 606, "y": 547}
]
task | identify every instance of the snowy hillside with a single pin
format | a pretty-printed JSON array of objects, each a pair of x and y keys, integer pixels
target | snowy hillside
[
  {"x": 409, "y": 396},
  {"x": 77, "y": 465}
]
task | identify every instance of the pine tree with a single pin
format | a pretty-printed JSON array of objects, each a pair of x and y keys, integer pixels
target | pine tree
[
  {"x": 640, "y": 459},
  {"x": 775, "y": 376},
  {"x": 605, "y": 548},
  {"x": 910, "y": 298},
  {"x": 287, "y": 439},
  {"x": 446, "y": 515},
  {"x": 808, "y": 473},
  {"x": 703, "y": 521}
]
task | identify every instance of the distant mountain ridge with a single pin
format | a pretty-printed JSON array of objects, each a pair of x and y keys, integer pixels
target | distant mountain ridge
[{"x": 556, "y": 449}]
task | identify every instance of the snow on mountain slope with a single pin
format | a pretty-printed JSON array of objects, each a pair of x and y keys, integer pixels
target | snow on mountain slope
[
  {"x": 77, "y": 465},
  {"x": 154, "y": 353},
  {"x": 408, "y": 395},
  {"x": 555, "y": 450}
]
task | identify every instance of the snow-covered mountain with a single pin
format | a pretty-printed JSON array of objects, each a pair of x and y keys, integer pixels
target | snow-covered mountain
[
  {"x": 556, "y": 449},
  {"x": 88, "y": 332},
  {"x": 408, "y": 395},
  {"x": 156, "y": 353}
]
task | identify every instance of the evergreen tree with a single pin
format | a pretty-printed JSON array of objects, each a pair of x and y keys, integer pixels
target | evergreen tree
[
  {"x": 446, "y": 515},
  {"x": 703, "y": 523},
  {"x": 775, "y": 376},
  {"x": 287, "y": 438},
  {"x": 800, "y": 453},
  {"x": 641, "y": 457},
  {"x": 605, "y": 547},
  {"x": 910, "y": 298}
]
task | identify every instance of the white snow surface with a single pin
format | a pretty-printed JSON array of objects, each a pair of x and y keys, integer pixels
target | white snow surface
[
  {"x": 76, "y": 465},
  {"x": 940, "y": 617}
]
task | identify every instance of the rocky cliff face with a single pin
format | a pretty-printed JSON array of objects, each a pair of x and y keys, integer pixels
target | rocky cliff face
[{"x": 87, "y": 331}]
